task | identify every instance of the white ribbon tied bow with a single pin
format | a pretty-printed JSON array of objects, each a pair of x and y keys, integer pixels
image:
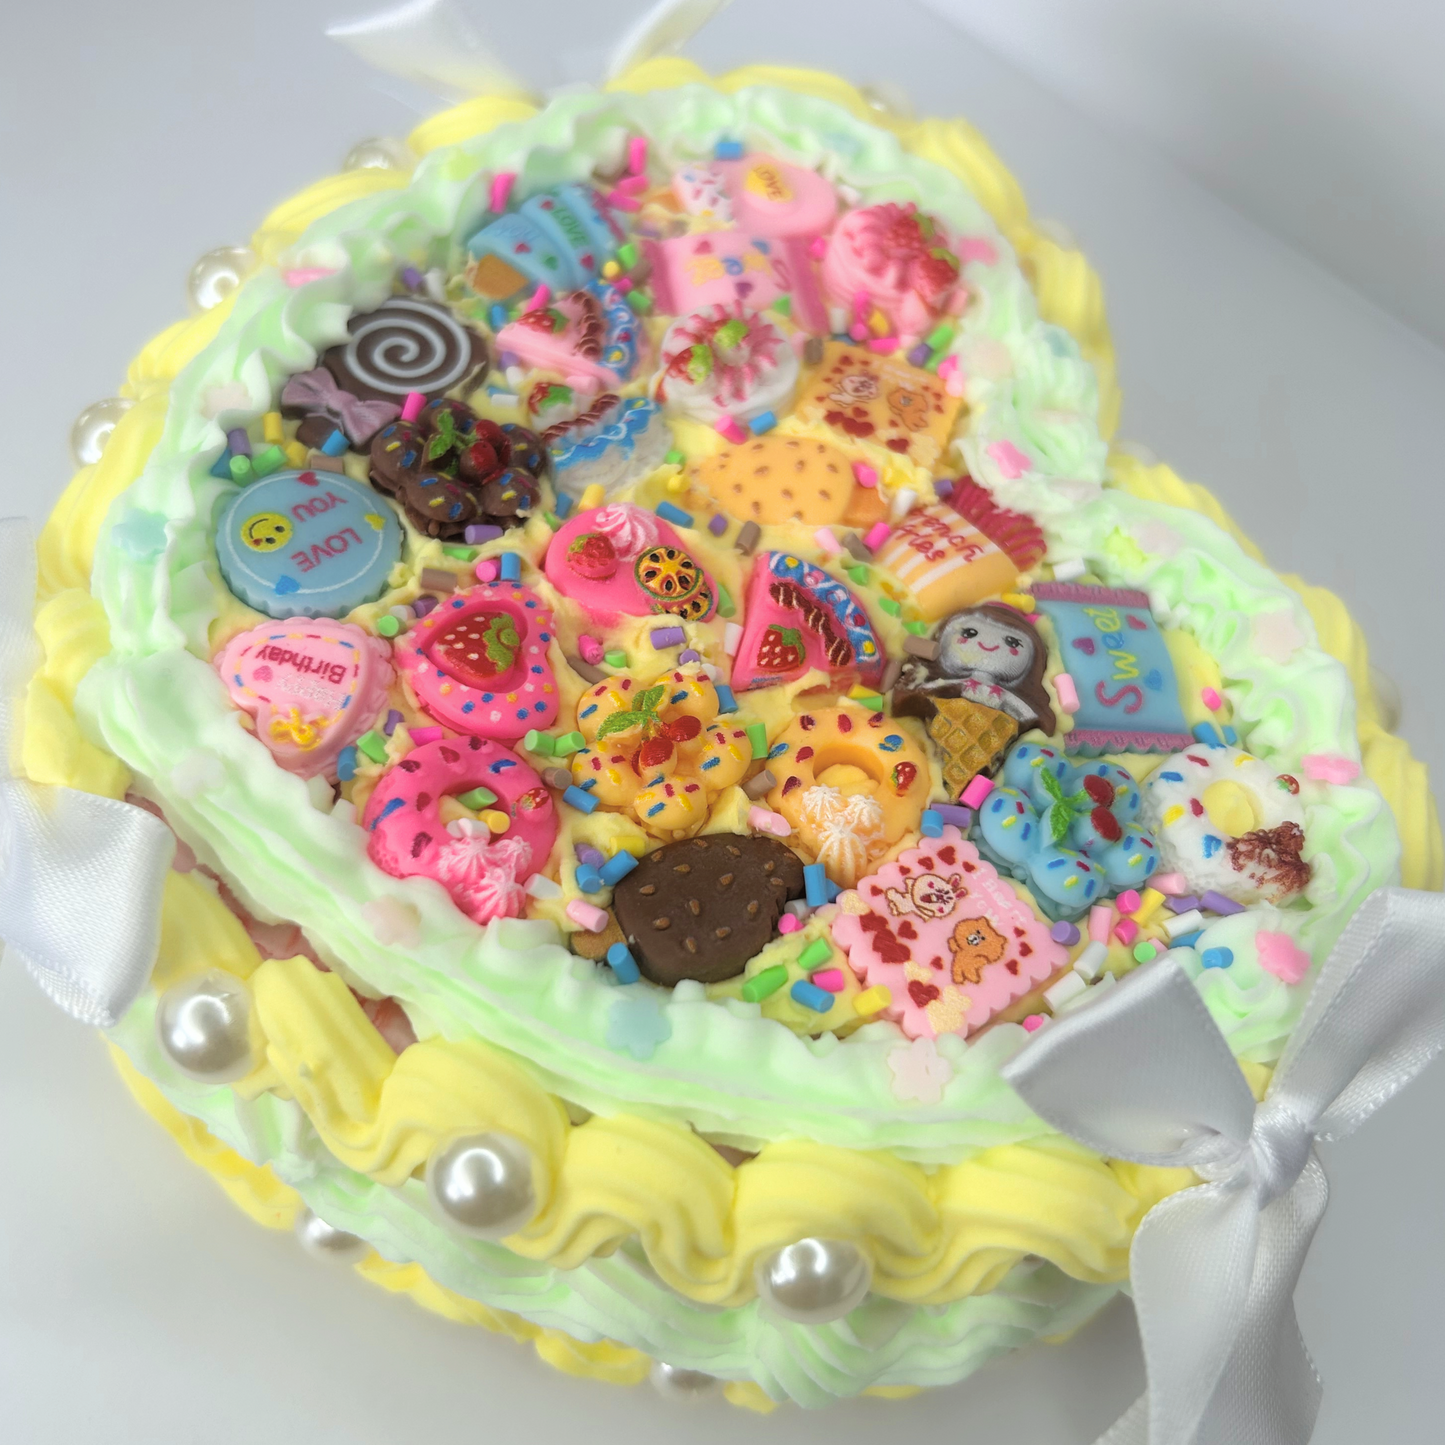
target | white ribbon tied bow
[
  {"x": 80, "y": 876},
  {"x": 1144, "y": 1074}
]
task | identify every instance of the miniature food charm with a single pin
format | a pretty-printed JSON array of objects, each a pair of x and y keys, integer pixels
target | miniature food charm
[
  {"x": 560, "y": 238},
  {"x": 726, "y": 361},
  {"x": 1066, "y": 829},
  {"x": 702, "y": 907},
  {"x": 798, "y": 618},
  {"x": 588, "y": 336},
  {"x": 658, "y": 751},
  {"x": 306, "y": 544},
  {"x": 851, "y": 783},
  {"x": 901, "y": 260},
  {"x": 482, "y": 869},
  {"x": 450, "y": 469},
  {"x": 312, "y": 688},
  {"x": 407, "y": 345},
  {"x": 611, "y": 443},
  {"x": 1129, "y": 700},
  {"x": 1229, "y": 823},
  {"x": 712, "y": 268},
  {"x": 623, "y": 560},
  {"x": 878, "y": 406},
  {"x": 478, "y": 663},
  {"x": 778, "y": 478},
  {"x": 950, "y": 555},
  {"x": 948, "y": 938}
]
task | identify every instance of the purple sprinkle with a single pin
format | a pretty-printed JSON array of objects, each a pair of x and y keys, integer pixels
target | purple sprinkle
[
  {"x": 951, "y": 813},
  {"x": 510, "y": 359},
  {"x": 919, "y": 355},
  {"x": 718, "y": 525},
  {"x": 689, "y": 656},
  {"x": 668, "y": 637},
  {"x": 1213, "y": 902},
  {"x": 411, "y": 278},
  {"x": 589, "y": 856},
  {"x": 1064, "y": 932},
  {"x": 478, "y": 534},
  {"x": 944, "y": 487},
  {"x": 424, "y": 604},
  {"x": 392, "y": 719},
  {"x": 1181, "y": 905},
  {"x": 239, "y": 442}
]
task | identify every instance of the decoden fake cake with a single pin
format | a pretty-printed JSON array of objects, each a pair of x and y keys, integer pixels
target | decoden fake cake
[{"x": 663, "y": 690}]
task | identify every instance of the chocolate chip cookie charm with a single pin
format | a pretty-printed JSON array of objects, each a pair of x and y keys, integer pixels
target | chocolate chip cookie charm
[{"x": 701, "y": 908}]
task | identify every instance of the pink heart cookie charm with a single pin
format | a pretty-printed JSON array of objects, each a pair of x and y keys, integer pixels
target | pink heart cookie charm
[
  {"x": 478, "y": 663},
  {"x": 950, "y": 940},
  {"x": 624, "y": 561},
  {"x": 312, "y": 686}
]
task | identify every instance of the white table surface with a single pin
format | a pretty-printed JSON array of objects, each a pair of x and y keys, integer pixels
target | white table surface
[{"x": 136, "y": 1305}]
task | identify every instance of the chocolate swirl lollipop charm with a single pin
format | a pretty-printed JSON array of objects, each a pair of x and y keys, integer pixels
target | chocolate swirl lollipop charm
[{"x": 404, "y": 346}]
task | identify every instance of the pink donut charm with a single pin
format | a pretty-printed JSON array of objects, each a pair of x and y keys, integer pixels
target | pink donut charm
[
  {"x": 478, "y": 663},
  {"x": 312, "y": 685},
  {"x": 483, "y": 872}
]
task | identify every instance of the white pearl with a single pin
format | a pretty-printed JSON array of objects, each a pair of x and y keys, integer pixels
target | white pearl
[
  {"x": 217, "y": 274},
  {"x": 815, "y": 1280},
  {"x": 379, "y": 153},
  {"x": 889, "y": 100},
  {"x": 673, "y": 1382},
  {"x": 204, "y": 1026},
  {"x": 327, "y": 1242},
  {"x": 93, "y": 427},
  {"x": 482, "y": 1184}
]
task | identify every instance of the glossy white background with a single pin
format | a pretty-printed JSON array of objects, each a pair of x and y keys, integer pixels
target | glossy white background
[{"x": 136, "y": 1305}]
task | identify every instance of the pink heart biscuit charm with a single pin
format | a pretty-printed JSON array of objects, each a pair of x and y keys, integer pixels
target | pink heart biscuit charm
[
  {"x": 483, "y": 871},
  {"x": 624, "y": 561},
  {"x": 950, "y": 940},
  {"x": 312, "y": 686},
  {"x": 478, "y": 663}
]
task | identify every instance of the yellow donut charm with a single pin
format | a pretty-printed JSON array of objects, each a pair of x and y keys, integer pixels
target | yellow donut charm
[
  {"x": 851, "y": 783},
  {"x": 658, "y": 751}
]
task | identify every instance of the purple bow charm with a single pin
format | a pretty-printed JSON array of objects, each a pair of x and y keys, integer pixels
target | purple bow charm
[{"x": 316, "y": 392}]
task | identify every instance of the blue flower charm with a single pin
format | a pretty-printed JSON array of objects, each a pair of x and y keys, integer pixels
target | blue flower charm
[
  {"x": 636, "y": 1025},
  {"x": 1066, "y": 829}
]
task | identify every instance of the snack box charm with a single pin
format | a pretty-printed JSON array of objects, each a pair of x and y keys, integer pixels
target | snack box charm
[
  {"x": 559, "y": 238},
  {"x": 1129, "y": 699},
  {"x": 307, "y": 544}
]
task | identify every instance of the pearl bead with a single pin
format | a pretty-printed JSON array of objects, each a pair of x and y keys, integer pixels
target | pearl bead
[
  {"x": 888, "y": 100},
  {"x": 379, "y": 153},
  {"x": 815, "y": 1280},
  {"x": 673, "y": 1382},
  {"x": 327, "y": 1242},
  {"x": 217, "y": 274},
  {"x": 93, "y": 427},
  {"x": 204, "y": 1027},
  {"x": 482, "y": 1184}
]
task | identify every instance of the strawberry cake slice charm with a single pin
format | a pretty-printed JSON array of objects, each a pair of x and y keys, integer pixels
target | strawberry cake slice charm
[{"x": 479, "y": 662}]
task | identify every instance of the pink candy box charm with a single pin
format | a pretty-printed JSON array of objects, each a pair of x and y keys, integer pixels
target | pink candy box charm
[
  {"x": 478, "y": 663},
  {"x": 624, "y": 561},
  {"x": 950, "y": 940},
  {"x": 484, "y": 872},
  {"x": 312, "y": 686},
  {"x": 691, "y": 273}
]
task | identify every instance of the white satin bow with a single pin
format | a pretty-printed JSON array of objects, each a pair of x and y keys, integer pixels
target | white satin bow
[
  {"x": 1144, "y": 1074},
  {"x": 437, "y": 45},
  {"x": 80, "y": 876}
]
